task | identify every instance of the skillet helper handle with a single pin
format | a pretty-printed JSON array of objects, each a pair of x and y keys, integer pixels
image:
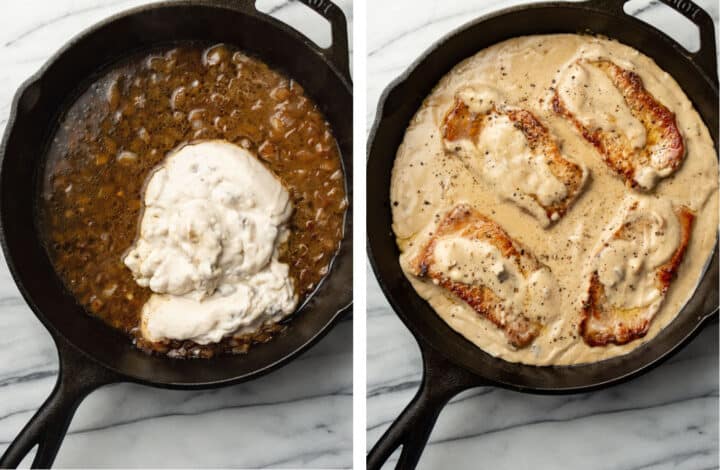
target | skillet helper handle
[
  {"x": 706, "y": 56},
  {"x": 339, "y": 52},
  {"x": 441, "y": 381},
  {"x": 77, "y": 377}
]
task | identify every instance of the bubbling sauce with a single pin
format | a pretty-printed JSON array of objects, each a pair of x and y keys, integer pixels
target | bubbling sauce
[{"x": 125, "y": 124}]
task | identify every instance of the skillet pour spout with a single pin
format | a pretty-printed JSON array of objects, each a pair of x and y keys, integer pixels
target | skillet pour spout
[
  {"x": 91, "y": 353},
  {"x": 452, "y": 364}
]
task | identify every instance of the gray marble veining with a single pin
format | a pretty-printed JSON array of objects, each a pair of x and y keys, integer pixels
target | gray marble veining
[
  {"x": 665, "y": 419},
  {"x": 298, "y": 416}
]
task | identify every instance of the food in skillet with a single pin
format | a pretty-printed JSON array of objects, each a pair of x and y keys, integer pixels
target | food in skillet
[
  {"x": 472, "y": 257},
  {"x": 213, "y": 221},
  {"x": 636, "y": 135},
  {"x": 632, "y": 270},
  {"x": 514, "y": 152},
  {"x": 650, "y": 266},
  {"x": 193, "y": 197}
]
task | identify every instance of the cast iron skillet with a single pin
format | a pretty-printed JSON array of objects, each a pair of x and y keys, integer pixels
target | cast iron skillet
[
  {"x": 92, "y": 354},
  {"x": 452, "y": 363}
]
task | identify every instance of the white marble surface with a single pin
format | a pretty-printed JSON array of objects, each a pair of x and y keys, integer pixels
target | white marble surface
[
  {"x": 665, "y": 419},
  {"x": 298, "y": 416}
]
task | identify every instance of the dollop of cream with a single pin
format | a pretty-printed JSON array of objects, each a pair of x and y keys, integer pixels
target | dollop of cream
[{"x": 214, "y": 218}]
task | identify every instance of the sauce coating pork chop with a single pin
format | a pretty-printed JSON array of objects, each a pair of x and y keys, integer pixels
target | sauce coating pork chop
[
  {"x": 632, "y": 271},
  {"x": 472, "y": 257},
  {"x": 639, "y": 165},
  {"x": 429, "y": 178},
  {"x": 512, "y": 150}
]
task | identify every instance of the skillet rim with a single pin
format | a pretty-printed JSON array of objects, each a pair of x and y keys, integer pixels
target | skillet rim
[
  {"x": 60, "y": 340},
  {"x": 430, "y": 345}
]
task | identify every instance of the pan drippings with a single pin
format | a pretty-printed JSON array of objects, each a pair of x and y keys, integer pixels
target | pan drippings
[{"x": 125, "y": 124}]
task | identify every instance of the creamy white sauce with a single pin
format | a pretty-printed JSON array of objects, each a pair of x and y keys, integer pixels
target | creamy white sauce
[
  {"x": 502, "y": 156},
  {"x": 591, "y": 96},
  {"x": 480, "y": 99},
  {"x": 627, "y": 267},
  {"x": 427, "y": 182},
  {"x": 213, "y": 221},
  {"x": 472, "y": 261}
]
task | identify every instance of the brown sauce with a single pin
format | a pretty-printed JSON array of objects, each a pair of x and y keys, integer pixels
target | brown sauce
[{"x": 124, "y": 125}]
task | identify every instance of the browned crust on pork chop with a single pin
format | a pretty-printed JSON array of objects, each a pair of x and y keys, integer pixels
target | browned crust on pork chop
[
  {"x": 461, "y": 123},
  {"x": 464, "y": 221},
  {"x": 601, "y": 324},
  {"x": 658, "y": 121}
]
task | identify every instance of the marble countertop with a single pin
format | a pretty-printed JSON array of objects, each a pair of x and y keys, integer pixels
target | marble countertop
[
  {"x": 665, "y": 419},
  {"x": 297, "y": 417}
]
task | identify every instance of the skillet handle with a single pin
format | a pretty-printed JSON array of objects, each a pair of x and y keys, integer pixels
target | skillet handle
[
  {"x": 77, "y": 377},
  {"x": 339, "y": 52},
  {"x": 441, "y": 381},
  {"x": 706, "y": 56}
]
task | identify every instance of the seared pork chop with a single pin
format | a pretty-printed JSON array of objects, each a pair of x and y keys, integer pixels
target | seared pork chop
[
  {"x": 632, "y": 271},
  {"x": 472, "y": 257},
  {"x": 513, "y": 151},
  {"x": 663, "y": 150}
]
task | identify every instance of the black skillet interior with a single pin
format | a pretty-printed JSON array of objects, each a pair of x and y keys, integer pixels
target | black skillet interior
[
  {"x": 92, "y": 353},
  {"x": 451, "y": 363}
]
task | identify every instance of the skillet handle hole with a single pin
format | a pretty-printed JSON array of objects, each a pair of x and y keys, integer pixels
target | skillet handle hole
[
  {"x": 295, "y": 14},
  {"x": 28, "y": 459},
  {"x": 666, "y": 19}
]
